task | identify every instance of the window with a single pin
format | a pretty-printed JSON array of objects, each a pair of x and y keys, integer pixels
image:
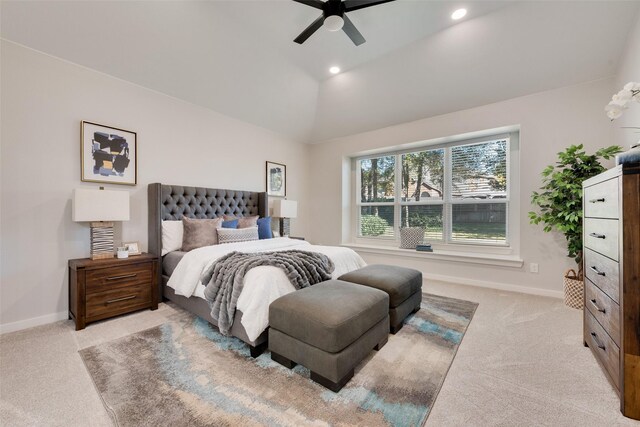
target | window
[
  {"x": 459, "y": 193},
  {"x": 377, "y": 196}
]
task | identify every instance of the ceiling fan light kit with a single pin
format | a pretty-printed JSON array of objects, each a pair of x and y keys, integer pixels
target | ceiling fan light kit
[
  {"x": 334, "y": 17},
  {"x": 333, "y": 23}
]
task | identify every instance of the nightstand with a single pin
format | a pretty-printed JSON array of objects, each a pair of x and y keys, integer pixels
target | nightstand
[{"x": 104, "y": 288}]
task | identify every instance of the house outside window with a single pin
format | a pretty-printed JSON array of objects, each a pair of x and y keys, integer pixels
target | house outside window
[{"x": 460, "y": 193}]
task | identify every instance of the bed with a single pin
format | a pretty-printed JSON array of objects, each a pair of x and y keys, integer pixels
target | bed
[{"x": 179, "y": 272}]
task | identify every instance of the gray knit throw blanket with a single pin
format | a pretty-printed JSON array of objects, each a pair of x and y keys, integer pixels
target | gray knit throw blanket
[{"x": 224, "y": 280}]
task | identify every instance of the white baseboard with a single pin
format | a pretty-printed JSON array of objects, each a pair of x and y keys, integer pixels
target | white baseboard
[
  {"x": 34, "y": 321},
  {"x": 55, "y": 317},
  {"x": 494, "y": 285}
]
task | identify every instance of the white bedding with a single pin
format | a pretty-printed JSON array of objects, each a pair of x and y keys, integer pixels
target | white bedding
[{"x": 262, "y": 285}]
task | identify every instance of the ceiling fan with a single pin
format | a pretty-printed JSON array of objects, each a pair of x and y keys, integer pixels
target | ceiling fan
[{"x": 334, "y": 18}]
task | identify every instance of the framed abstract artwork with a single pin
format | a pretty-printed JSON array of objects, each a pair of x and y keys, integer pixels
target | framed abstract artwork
[
  {"x": 276, "y": 179},
  {"x": 108, "y": 155}
]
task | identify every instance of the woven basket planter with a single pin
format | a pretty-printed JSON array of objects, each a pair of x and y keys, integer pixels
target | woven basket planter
[
  {"x": 410, "y": 237},
  {"x": 573, "y": 290}
]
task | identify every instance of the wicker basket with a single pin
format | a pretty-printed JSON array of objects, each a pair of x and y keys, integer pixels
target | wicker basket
[
  {"x": 573, "y": 290},
  {"x": 410, "y": 237}
]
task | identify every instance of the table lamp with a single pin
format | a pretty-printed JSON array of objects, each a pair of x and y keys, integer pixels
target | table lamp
[
  {"x": 100, "y": 208},
  {"x": 285, "y": 209}
]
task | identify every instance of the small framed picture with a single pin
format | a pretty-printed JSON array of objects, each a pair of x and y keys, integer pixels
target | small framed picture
[
  {"x": 276, "y": 179},
  {"x": 108, "y": 155},
  {"x": 132, "y": 247}
]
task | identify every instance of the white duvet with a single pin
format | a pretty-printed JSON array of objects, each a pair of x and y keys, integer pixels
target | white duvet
[{"x": 262, "y": 285}]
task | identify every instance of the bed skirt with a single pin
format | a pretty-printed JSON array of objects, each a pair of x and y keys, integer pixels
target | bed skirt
[{"x": 200, "y": 308}]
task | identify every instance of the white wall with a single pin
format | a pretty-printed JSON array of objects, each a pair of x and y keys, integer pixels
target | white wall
[
  {"x": 629, "y": 71},
  {"x": 549, "y": 121},
  {"x": 43, "y": 101}
]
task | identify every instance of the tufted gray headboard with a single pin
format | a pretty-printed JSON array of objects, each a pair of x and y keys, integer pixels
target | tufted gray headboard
[{"x": 172, "y": 202}]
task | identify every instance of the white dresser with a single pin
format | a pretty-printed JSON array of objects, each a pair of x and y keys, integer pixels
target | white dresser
[{"x": 611, "y": 203}]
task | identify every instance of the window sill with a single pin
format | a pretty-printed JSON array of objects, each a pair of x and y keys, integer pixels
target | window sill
[{"x": 441, "y": 255}]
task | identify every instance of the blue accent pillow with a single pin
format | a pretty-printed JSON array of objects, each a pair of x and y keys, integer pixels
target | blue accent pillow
[
  {"x": 230, "y": 224},
  {"x": 264, "y": 228}
]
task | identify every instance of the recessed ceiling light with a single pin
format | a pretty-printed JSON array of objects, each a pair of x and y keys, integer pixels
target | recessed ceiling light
[
  {"x": 458, "y": 14},
  {"x": 334, "y": 70}
]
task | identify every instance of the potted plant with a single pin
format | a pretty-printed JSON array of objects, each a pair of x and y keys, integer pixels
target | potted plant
[{"x": 560, "y": 206}]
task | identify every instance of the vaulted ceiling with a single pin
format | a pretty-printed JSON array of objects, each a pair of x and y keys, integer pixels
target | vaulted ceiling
[{"x": 238, "y": 57}]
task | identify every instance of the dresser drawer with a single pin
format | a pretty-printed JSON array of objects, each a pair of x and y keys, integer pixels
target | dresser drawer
[
  {"x": 104, "y": 279},
  {"x": 601, "y": 200},
  {"x": 604, "y": 272},
  {"x": 604, "y": 309},
  {"x": 118, "y": 301},
  {"x": 601, "y": 235},
  {"x": 603, "y": 347}
]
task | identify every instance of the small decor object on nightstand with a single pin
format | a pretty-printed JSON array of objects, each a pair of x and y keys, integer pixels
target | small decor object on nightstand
[
  {"x": 122, "y": 252},
  {"x": 108, "y": 155},
  {"x": 100, "y": 208},
  {"x": 276, "y": 179},
  {"x": 132, "y": 247}
]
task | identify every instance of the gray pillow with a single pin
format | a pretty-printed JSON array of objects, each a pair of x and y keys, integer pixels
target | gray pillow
[
  {"x": 199, "y": 233},
  {"x": 232, "y": 235}
]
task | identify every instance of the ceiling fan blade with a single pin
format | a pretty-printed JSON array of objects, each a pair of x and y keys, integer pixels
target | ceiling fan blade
[
  {"x": 351, "y": 5},
  {"x": 309, "y": 30},
  {"x": 313, "y": 3},
  {"x": 352, "y": 31}
]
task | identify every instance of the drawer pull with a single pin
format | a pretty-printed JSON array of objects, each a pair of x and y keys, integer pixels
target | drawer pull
[
  {"x": 595, "y": 338},
  {"x": 121, "y": 299},
  {"x": 601, "y": 200},
  {"x": 601, "y": 310},
  {"x": 598, "y": 272},
  {"x": 597, "y": 236},
  {"x": 126, "y": 276}
]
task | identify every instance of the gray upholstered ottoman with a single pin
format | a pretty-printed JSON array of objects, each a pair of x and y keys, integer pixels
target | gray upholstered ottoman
[
  {"x": 404, "y": 286},
  {"x": 328, "y": 328}
]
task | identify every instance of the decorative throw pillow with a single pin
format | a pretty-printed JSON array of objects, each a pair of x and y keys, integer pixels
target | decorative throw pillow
[
  {"x": 199, "y": 233},
  {"x": 230, "y": 223},
  {"x": 244, "y": 221},
  {"x": 264, "y": 228},
  {"x": 231, "y": 235},
  {"x": 171, "y": 236},
  {"x": 410, "y": 237}
]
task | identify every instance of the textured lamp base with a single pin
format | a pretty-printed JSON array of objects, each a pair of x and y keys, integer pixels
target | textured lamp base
[
  {"x": 101, "y": 240},
  {"x": 285, "y": 227}
]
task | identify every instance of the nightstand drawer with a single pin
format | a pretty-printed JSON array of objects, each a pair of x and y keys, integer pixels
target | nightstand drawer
[
  {"x": 117, "y": 301},
  {"x": 605, "y": 350},
  {"x": 601, "y": 200},
  {"x": 603, "y": 272},
  {"x": 601, "y": 235},
  {"x": 104, "y": 279},
  {"x": 604, "y": 309}
]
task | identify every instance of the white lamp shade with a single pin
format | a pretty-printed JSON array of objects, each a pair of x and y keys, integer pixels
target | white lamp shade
[
  {"x": 100, "y": 205},
  {"x": 285, "y": 208}
]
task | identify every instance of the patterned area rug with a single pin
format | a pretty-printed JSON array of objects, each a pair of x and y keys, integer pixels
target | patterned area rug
[{"x": 186, "y": 373}]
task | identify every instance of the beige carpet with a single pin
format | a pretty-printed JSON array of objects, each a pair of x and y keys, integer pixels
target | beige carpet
[{"x": 521, "y": 362}]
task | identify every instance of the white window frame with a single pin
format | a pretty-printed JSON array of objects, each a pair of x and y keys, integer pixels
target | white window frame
[{"x": 511, "y": 245}]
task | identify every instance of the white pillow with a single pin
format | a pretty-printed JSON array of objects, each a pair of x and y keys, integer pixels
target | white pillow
[
  {"x": 172, "y": 232},
  {"x": 232, "y": 235}
]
